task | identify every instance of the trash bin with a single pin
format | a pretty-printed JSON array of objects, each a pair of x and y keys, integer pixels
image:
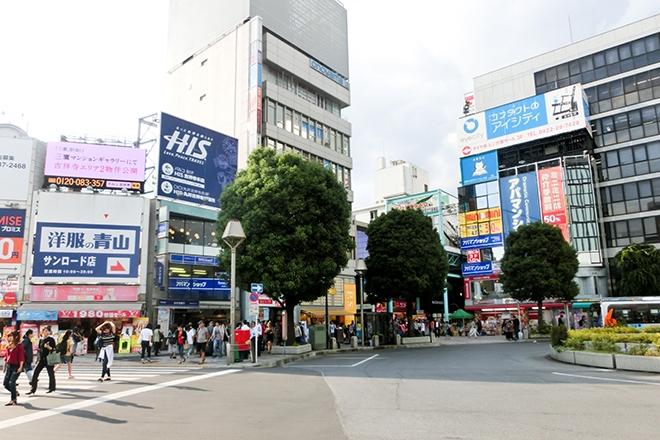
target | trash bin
[{"x": 317, "y": 337}]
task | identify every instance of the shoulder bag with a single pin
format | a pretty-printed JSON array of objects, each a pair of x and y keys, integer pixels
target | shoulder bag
[{"x": 53, "y": 358}]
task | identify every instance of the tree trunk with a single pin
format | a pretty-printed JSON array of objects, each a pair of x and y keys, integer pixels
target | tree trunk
[
  {"x": 290, "y": 335},
  {"x": 409, "y": 315}
]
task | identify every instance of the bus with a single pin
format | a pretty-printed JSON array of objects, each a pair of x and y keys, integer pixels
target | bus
[{"x": 641, "y": 311}]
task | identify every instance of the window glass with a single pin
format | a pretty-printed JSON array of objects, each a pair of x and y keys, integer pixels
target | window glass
[
  {"x": 627, "y": 170},
  {"x": 603, "y": 92},
  {"x": 612, "y": 158},
  {"x": 607, "y": 124},
  {"x": 624, "y": 51},
  {"x": 481, "y": 189},
  {"x": 621, "y": 229},
  {"x": 304, "y": 127},
  {"x": 179, "y": 270},
  {"x": 652, "y": 43},
  {"x": 617, "y": 193},
  {"x": 209, "y": 234},
  {"x": 612, "y": 56},
  {"x": 645, "y": 189},
  {"x": 482, "y": 202},
  {"x": 279, "y": 116},
  {"x": 635, "y": 118},
  {"x": 296, "y": 123},
  {"x": 271, "y": 112},
  {"x": 177, "y": 230},
  {"x": 312, "y": 130},
  {"x": 653, "y": 150},
  {"x": 638, "y": 47},
  {"x": 650, "y": 226},
  {"x": 616, "y": 88},
  {"x": 586, "y": 64},
  {"x": 562, "y": 71},
  {"x": 194, "y": 232},
  {"x": 599, "y": 60},
  {"x": 621, "y": 122},
  {"x": 288, "y": 119},
  {"x": 539, "y": 78},
  {"x": 493, "y": 200},
  {"x": 627, "y": 65},
  {"x": 493, "y": 188},
  {"x": 574, "y": 67},
  {"x": 639, "y": 153},
  {"x": 635, "y": 227},
  {"x": 630, "y": 191}
]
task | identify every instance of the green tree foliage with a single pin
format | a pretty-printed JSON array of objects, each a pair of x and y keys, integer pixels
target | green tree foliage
[
  {"x": 296, "y": 218},
  {"x": 639, "y": 266},
  {"x": 539, "y": 264},
  {"x": 406, "y": 259}
]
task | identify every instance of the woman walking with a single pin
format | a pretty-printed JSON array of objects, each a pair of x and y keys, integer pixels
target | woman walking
[
  {"x": 14, "y": 359},
  {"x": 171, "y": 342},
  {"x": 46, "y": 346},
  {"x": 65, "y": 348},
  {"x": 29, "y": 353},
  {"x": 107, "y": 355},
  {"x": 269, "y": 336},
  {"x": 181, "y": 341}
]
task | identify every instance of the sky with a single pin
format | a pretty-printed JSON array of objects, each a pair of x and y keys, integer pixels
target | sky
[{"x": 94, "y": 68}]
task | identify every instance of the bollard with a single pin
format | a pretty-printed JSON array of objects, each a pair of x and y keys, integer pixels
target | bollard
[
  {"x": 398, "y": 339},
  {"x": 354, "y": 341},
  {"x": 333, "y": 343},
  {"x": 375, "y": 339},
  {"x": 432, "y": 337}
]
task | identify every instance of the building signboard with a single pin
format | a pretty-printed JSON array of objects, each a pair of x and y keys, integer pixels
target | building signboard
[
  {"x": 195, "y": 163},
  {"x": 206, "y": 284},
  {"x": 481, "y": 268},
  {"x": 541, "y": 116},
  {"x": 193, "y": 259},
  {"x": 553, "y": 201},
  {"x": 62, "y": 293},
  {"x": 15, "y": 167},
  {"x": 12, "y": 230},
  {"x": 479, "y": 168},
  {"x": 36, "y": 315},
  {"x": 481, "y": 229},
  {"x": 520, "y": 201},
  {"x": 428, "y": 202},
  {"x": 99, "y": 166},
  {"x": 101, "y": 314}
]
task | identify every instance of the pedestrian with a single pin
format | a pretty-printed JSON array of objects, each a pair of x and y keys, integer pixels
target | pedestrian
[
  {"x": 171, "y": 342},
  {"x": 13, "y": 365},
  {"x": 76, "y": 336},
  {"x": 107, "y": 330},
  {"x": 190, "y": 337},
  {"x": 270, "y": 334},
  {"x": 516, "y": 327},
  {"x": 146, "y": 341},
  {"x": 46, "y": 346},
  {"x": 158, "y": 336},
  {"x": 216, "y": 336},
  {"x": 181, "y": 341},
  {"x": 226, "y": 338},
  {"x": 29, "y": 353},
  {"x": 473, "y": 329},
  {"x": 65, "y": 349},
  {"x": 202, "y": 340}
]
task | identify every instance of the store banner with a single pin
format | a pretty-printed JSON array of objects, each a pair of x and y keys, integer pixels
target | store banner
[
  {"x": 482, "y": 268},
  {"x": 520, "y": 201},
  {"x": 12, "y": 230},
  {"x": 198, "y": 284},
  {"x": 36, "y": 315},
  {"x": 484, "y": 242},
  {"x": 102, "y": 314},
  {"x": 83, "y": 293},
  {"x": 553, "y": 200}
]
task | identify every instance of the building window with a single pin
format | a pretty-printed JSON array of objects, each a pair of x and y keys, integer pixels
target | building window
[
  {"x": 630, "y": 198},
  {"x": 271, "y": 112},
  {"x": 373, "y": 214},
  {"x": 279, "y": 116},
  {"x": 177, "y": 231},
  {"x": 296, "y": 123},
  {"x": 632, "y": 125},
  {"x": 288, "y": 119}
]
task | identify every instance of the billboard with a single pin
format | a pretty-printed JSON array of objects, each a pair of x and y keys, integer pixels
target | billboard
[
  {"x": 481, "y": 229},
  {"x": 553, "y": 201},
  {"x": 96, "y": 239},
  {"x": 520, "y": 201},
  {"x": 479, "y": 168},
  {"x": 195, "y": 163},
  {"x": 83, "y": 293},
  {"x": 12, "y": 230},
  {"x": 530, "y": 119},
  {"x": 428, "y": 202},
  {"x": 15, "y": 167},
  {"x": 99, "y": 166}
]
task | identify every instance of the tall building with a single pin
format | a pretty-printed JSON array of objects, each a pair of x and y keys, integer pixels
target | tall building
[
  {"x": 272, "y": 74},
  {"x": 618, "y": 173}
]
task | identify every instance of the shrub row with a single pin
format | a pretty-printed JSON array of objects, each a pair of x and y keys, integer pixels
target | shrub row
[{"x": 646, "y": 341}]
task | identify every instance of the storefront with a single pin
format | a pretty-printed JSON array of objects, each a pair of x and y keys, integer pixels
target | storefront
[{"x": 492, "y": 314}]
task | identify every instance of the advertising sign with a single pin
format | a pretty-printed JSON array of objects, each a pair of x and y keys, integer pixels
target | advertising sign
[
  {"x": 194, "y": 260},
  {"x": 484, "y": 242},
  {"x": 473, "y": 256},
  {"x": 482, "y": 268},
  {"x": 195, "y": 163},
  {"x": 428, "y": 202},
  {"x": 99, "y": 166},
  {"x": 207, "y": 284},
  {"x": 553, "y": 202},
  {"x": 520, "y": 201},
  {"x": 12, "y": 228},
  {"x": 15, "y": 167},
  {"x": 102, "y": 314},
  {"x": 36, "y": 315},
  {"x": 538, "y": 117},
  {"x": 83, "y": 293},
  {"x": 479, "y": 168},
  {"x": 481, "y": 229}
]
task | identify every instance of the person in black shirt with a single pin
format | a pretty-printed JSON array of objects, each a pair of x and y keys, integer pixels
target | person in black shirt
[{"x": 46, "y": 346}]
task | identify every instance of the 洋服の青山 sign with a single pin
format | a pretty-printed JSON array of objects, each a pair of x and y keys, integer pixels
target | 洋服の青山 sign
[{"x": 12, "y": 224}]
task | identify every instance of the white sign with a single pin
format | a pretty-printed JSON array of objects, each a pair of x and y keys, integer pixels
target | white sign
[
  {"x": 254, "y": 309},
  {"x": 15, "y": 166},
  {"x": 6, "y": 313}
]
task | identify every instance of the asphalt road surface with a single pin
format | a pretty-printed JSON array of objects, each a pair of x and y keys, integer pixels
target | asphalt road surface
[{"x": 473, "y": 391}]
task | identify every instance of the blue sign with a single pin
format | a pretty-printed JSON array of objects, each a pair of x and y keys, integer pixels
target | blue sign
[
  {"x": 520, "y": 201},
  {"x": 515, "y": 117},
  {"x": 259, "y": 288},
  {"x": 85, "y": 252},
  {"x": 479, "y": 168},
  {"x": 175, "y": 303},
  {"x": 193, "y": 259},
  {"x": 160, "y": 271},
  {"x": 195, "y": 163},
  {"x": 198, "y": 284},
  {"x": 12, "y": 223},
  {"x": 36, "y": 315},
  {"x": 482, "y": 242},
  {"x": 474, "y": 269},
  {"x": 162, "y": 230}
]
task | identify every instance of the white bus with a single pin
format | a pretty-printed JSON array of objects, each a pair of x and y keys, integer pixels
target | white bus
[{"x": 640, "y": 311}]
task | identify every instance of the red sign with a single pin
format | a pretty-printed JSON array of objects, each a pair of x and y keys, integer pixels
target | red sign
[
  {"x": 466, "y": 289},
  {"x": 84, "y": 293},
  {"x": 553, "y": 202},
  {"x": 8, "y": 298},
  {"x": 105, "y": 314},
  {"x": 474, "y": 256}
]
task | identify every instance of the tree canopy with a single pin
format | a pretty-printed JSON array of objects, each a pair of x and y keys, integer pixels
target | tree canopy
[
  {"x": 539, "y": 264},
  {"x": 639, "y": 267},
  {"x": 296, "y": 218},
  {"x": 406, "y": 259}
]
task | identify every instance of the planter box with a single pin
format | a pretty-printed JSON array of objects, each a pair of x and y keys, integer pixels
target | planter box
[
  {"x": 566, "y": 356},
  {"x": 637, "y": 363},
  {"x": 416, "y": 340},
  {"x": 291, "y": 349},
  {"x": 601, "y": 360}
]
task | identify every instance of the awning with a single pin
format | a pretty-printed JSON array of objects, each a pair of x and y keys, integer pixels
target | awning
[
  {"x": 102, "y": 309},
  {"x": 511, "y": 306}
]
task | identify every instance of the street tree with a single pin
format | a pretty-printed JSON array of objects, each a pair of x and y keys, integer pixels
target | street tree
[
  {"x": 539, "y": 264},
  {"x": 639, "y": 267},
  {"x": 406, "y": 259},
  {"x": 296, "y": 218}
]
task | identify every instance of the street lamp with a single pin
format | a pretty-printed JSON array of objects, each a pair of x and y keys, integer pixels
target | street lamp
[
  {"x": 233, "y": 236},
  {"x": 360, "y": 270}
]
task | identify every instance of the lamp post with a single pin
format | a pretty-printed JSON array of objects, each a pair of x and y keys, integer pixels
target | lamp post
[
  {"x": 233, "y": 236},
  {"x": 360, "y": 270}
]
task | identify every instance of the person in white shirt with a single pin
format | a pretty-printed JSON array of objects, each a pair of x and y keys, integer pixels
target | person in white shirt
[
  {"x": 190, "y": 338},
  {"x": 146, "y": 339}
]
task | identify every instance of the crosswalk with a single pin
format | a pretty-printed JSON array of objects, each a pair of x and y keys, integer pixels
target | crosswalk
[{"x": 86, "y": 378}]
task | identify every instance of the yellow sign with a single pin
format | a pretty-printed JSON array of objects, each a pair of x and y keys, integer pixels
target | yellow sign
[{"x": 350, "y": 298}]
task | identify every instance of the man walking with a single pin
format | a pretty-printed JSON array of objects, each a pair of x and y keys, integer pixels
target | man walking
[
  {"x": 202, "y": 339},
  {"x": 146, "y": 339},
  {"x": 216, "y": 337}
]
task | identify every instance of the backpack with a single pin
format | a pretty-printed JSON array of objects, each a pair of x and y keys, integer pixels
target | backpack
[{"x": 61, "y": 348}]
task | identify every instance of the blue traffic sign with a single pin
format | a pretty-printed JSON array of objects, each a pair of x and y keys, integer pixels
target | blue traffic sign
[
  {"x": 259, "y": 288},
  {"x": 254, "y": 297}
]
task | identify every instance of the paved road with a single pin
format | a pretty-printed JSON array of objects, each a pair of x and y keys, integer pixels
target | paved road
[{"x": 472, "y": 391}]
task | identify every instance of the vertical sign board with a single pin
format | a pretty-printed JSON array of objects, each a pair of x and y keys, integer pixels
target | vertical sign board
[
  {"x": 12, "y": 230},
  {"x": 520, "y": 201},
  {"x": 195, "y": 163},
  {"x": 15, "y": 167},
  {"x": 553, "y": 201},
  {"x": 96, "y": 239}
]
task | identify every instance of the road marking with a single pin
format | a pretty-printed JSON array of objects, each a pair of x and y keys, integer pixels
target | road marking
[
  {"x": 332, "y": 366},
  {"x": 607, "y": 379},
  {"x": 103, "y": 399}
]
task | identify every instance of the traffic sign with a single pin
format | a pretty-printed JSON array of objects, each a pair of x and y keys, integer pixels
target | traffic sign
[
  {"x": 259, "y": 288},
  {"x": 254, "y": 309},
  {"x": 254, "y": 297}
]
